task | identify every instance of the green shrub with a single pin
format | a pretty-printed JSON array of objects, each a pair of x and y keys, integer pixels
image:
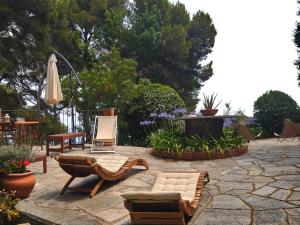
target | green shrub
[
  {"x": 272, "y": 108},
  {"x": 10, "y": 99},
  {"x": 8, "y": 210},
  {"x": 150, "y": 98},
  {"x": 177, "y": 141}
]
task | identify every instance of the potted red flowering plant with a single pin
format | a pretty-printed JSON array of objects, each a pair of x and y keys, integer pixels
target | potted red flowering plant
[
  {"x": 16, "y": 176},
  {"x": 15, "y": 166}
]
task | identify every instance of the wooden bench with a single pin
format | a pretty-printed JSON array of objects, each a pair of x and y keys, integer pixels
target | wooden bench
[
  {"x": 61, "y": 138},
  {"x": 41, "y": 157}
]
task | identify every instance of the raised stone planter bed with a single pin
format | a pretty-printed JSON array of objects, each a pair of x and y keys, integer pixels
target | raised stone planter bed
[{"x": 194, "y": 156}]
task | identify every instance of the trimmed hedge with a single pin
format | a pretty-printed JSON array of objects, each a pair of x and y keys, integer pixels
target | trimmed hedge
[
  {"x": 151, "y": 98},
  {"x": 272, "y": 108}
]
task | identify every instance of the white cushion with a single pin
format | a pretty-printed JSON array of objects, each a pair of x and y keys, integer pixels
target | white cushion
[
  {"x": 112, "y": 163},
  {"x": 183, "y": 183},
  {"x": 76, "y": 159},
  {"x": 146, "y": 196},
  {"x": 107, "y": 126}
]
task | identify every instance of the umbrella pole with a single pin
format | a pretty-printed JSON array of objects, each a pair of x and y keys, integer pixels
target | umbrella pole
[
  {"x": 71, "y": 88},
  {"x": 72, "y": 104}
]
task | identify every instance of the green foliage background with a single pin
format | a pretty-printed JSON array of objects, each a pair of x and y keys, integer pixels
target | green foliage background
[
  {"x": 272, "y": 108},
  {"x": 113, "y": 44},
  {"x": 297, "y": 43},
  {"x": 150, "y": 98}
]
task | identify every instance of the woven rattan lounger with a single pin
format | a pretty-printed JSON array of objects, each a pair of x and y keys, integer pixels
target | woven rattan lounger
[
  {"x": 246, "y": 133},
  {"x": 173, "y": 197},
  {"x": 107, "y": 167},
  {"x": 289, "y": 130}
]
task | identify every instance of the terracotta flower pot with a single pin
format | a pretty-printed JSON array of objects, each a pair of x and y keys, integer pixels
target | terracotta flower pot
[
  {"x": 109, "y": 112},
  {"x": 209, "y": 112},
  {"x": 22, "y": 183}
]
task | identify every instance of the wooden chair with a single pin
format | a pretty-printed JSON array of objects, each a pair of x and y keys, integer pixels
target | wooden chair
[
  {"x": 173, "y": 197},
  {"x": 106, "y": 167},
  {"x": 289, "y": 130},
  {"x": 105, "y": 133},
  {"x": 245, "y": 132}
]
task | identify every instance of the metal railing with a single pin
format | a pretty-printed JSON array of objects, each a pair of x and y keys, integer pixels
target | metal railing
[{"x": 57, "y": 122}]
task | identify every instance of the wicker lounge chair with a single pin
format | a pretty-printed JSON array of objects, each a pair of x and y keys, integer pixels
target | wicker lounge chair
[
  {"x": 107, "y": 167},
  {"x": 246, "y": 133},
  {"x": 289, "y": 130},
  {"x": 105, "y": 132},
  {"x": 173, "y": 197}
]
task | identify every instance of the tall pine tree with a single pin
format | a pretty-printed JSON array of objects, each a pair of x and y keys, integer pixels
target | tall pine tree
[
  {"x": 297, "y": 42},
  {"x": 169, "y": 46}
]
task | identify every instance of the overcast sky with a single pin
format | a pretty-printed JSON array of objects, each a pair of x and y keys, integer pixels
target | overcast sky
[{"x": 254, "y": 50}]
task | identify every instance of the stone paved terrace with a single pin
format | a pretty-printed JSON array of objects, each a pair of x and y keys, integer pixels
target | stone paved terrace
[{"x": 260, "y": 187}]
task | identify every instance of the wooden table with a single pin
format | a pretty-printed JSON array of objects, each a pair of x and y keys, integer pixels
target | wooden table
[
  {"x": 21, "y": 131},
  {"x": 27, "y": 131},
  {"x": 61, "y": 138}
]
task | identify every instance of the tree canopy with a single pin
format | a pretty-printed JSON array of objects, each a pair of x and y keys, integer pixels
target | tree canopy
[
  {"x": 297, "y": 43},
  {"x": 272, "y": 108},
  {"x": 113, "y": 44},
  {"x": 169, "y": 47}
]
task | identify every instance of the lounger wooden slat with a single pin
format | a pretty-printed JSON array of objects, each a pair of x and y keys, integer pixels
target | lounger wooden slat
[
  {"x": 156, "y": 215},
  {"x": 160, "y": 221},
  {"x": 83, "y": 166}
]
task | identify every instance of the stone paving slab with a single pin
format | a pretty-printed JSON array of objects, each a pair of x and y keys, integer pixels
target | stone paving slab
[{"x": 261, "y": 187}]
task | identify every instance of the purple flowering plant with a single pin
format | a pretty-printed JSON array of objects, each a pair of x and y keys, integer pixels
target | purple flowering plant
[{"x": 162, "y": 120}]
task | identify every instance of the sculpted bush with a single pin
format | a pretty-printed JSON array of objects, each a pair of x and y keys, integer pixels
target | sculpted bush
[{"x": 272, "y": 108}]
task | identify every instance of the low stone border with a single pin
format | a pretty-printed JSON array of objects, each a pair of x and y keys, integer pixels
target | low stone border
[{"x": 193, "y": 156}]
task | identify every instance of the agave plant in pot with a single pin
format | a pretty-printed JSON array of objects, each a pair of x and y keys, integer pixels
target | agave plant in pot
[
  {"x": 14, "y": 173},
  {"x": 209, "y": 105}
]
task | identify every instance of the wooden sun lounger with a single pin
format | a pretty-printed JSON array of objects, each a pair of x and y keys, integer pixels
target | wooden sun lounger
[
  {"x": 165, "y": 207},
  {"x": 83, "y": 166}
]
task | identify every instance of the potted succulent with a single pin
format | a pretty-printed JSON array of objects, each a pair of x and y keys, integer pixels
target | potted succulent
[
  {"x": 15, "y": 176},
  {"x": 209, "y": 105}
]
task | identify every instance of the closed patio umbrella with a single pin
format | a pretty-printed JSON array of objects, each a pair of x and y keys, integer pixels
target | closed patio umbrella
[{"x": 53, "y": 89}]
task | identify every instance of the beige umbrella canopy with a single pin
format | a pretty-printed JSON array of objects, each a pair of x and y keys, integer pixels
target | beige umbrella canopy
[{"x": 53, "y": 89}]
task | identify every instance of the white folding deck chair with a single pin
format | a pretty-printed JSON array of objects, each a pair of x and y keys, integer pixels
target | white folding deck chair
[{"x": 106, "y": 132}]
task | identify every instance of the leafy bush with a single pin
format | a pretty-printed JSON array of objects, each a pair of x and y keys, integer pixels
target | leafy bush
[
  {"x": 272, "y": 108},
  {"x": 151, "y": 98},
  {"x": 177, "y": 141},
  {"x": 8, "y": 210},
  {"x": 10, "y": 98},
  {"x": 167, "y": 140},
  {"x": 160, "y": 98}
]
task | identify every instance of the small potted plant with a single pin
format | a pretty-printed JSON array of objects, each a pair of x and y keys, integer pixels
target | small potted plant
[
  {"x": 15, "y": 176},
  {"x": 209, "y": 105}
]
